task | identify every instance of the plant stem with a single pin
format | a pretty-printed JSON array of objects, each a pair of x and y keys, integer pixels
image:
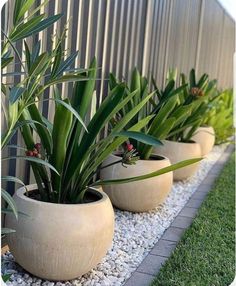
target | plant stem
[
  {"x": 103, "y": 167},
  {"x": 111, "y": 164}
]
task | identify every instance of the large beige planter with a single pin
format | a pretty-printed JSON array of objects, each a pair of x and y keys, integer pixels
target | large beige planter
[
  {"x": 178, "y": 151},
  {"x": 60, "y": 241},
  {"x": 137, "y": 196},
  {"x": 205, "y": 136}
]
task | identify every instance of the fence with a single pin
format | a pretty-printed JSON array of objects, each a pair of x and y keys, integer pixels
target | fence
[{"x": 152, "y": 35}]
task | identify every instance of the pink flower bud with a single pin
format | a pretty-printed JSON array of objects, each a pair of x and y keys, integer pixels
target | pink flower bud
[
  {"x": 129, "y": 147},
  {"x": 37, "y": 146}
]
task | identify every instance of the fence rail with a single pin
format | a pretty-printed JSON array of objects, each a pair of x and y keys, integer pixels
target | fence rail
[{"x": 153, "y": 35}]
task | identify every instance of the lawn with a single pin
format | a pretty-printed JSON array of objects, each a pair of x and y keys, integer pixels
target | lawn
[{"x": 205, "y": 254}]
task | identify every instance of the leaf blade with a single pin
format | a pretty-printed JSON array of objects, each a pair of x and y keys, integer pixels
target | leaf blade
[
  {"x": 34, "y": 160},
  {"x": 150, "y": 175},
  {"x": 10, "y": 201},
  {"x": 139, "y": 136},
  {"x": 15, "y": 93}
]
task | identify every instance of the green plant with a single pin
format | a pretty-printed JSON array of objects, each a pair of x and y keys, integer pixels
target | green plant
[
  {"x": 12, "y": 110},
  {"x": 8, "y": 203},
  {"x": 165, "y": 106},
  {"x": 12, "y": 208},
  {"x": 78, "y": 154},
  {"x": 6, "y": 277},
  {"x": 39, "y": 72},
  {"x": 195, "y": 95},
  {"x": 220, "y": 116}
]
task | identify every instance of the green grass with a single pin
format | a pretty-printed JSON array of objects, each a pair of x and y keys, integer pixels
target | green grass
[{"x": 205, "y": 254}]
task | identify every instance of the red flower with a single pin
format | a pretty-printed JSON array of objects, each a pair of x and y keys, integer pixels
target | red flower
[
  {"x": 37, "y": 146},
  {"x": 129, "y": 147},
  {"x": 29, "y": 153},
  {"x": 35, "y": 152}
]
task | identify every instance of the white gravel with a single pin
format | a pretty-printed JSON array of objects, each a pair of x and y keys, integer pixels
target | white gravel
[{"x": 135, "y": 235}]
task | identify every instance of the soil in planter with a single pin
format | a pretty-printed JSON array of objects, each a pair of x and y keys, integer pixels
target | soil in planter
[
  {"x": 90, "y": 196},
  {"x": 156, "y": 158},
  {"x": 187, "y": 141}
]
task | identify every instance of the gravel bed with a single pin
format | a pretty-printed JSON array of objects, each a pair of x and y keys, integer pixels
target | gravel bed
[{"x": 135, "y": 235}]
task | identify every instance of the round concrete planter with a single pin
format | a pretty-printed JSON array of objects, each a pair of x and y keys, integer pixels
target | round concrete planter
[
  {"x": 205, "y": 136},
  {"x": 178, "y": 151},
  {"x": 60, "y": 241},
  {"x": 137, "y": 196}
]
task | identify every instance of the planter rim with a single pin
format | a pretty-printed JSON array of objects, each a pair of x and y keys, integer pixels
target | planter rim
[
  {"x": 205, "y": 127},
  {"x": 20, "y": 193},
  {"x": 164, "y": 158},
  {"x": 202, "y": 128}
]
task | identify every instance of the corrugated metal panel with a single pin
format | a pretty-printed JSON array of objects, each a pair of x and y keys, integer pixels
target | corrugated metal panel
[{"x": 153, "y": 35}]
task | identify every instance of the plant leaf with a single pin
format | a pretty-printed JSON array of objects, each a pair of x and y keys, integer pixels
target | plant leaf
[
  {"x": 192, "y": 78},
  {"x": 39, "y": 64},
  {"x": 67, "y": 63},
  {"x": 156, "y": 89},
  {"x": 34, "y": 26},
  {"x": 107, "y": 148},
  {"x": 15, "y": 93},
  {"x": 17, "y": 147},
  {"x": 160, "y": 132},
  {"x": 169, "y": 87},
  {"x": 68, "y": 78},
  {"x": 6, "y": 54},
  {"x": 57, "y": 60},
  {"x": 12, "y": 179},
  {"x": 72, "y": 110},
  {"x": 6, "y": 61},
  {"x": 35, "y": 51},
  {"x": 30, "y": 122},
  {"x": 105, "y": 112},
  {"x": 34, "y": 160},
  {"x": 139, "y": 136},
  {"x": 25, "y": 7},
  {"x": 41, "y": 128},
  {"x": 83, "y": 90},
  {"x": 22, "y": 30},
  {"x": 27, "y": 55},
  {"x": 46, "y": 23},
  {"x": 10, "y": 201},
  {"x": 17, "y": 8},
  {"x": 112, "y": 81},
  {"x": 136, "y": 85},
  {"x": 202, "y": 81},
  {"x": 104, "y": 148},
  {"x": 61, "y": 129},
  {"x": 147, "y": 176}
]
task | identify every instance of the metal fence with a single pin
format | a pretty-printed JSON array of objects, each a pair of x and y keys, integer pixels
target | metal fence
[{"x": 153, "y": 35}]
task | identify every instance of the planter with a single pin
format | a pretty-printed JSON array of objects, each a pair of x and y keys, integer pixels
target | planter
[
  {"x": 137, "y": 196},
  {"x": 179, "y": 151},
  {"x": 205, "y": 136},
  {"x": 61, "y": 241}
]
